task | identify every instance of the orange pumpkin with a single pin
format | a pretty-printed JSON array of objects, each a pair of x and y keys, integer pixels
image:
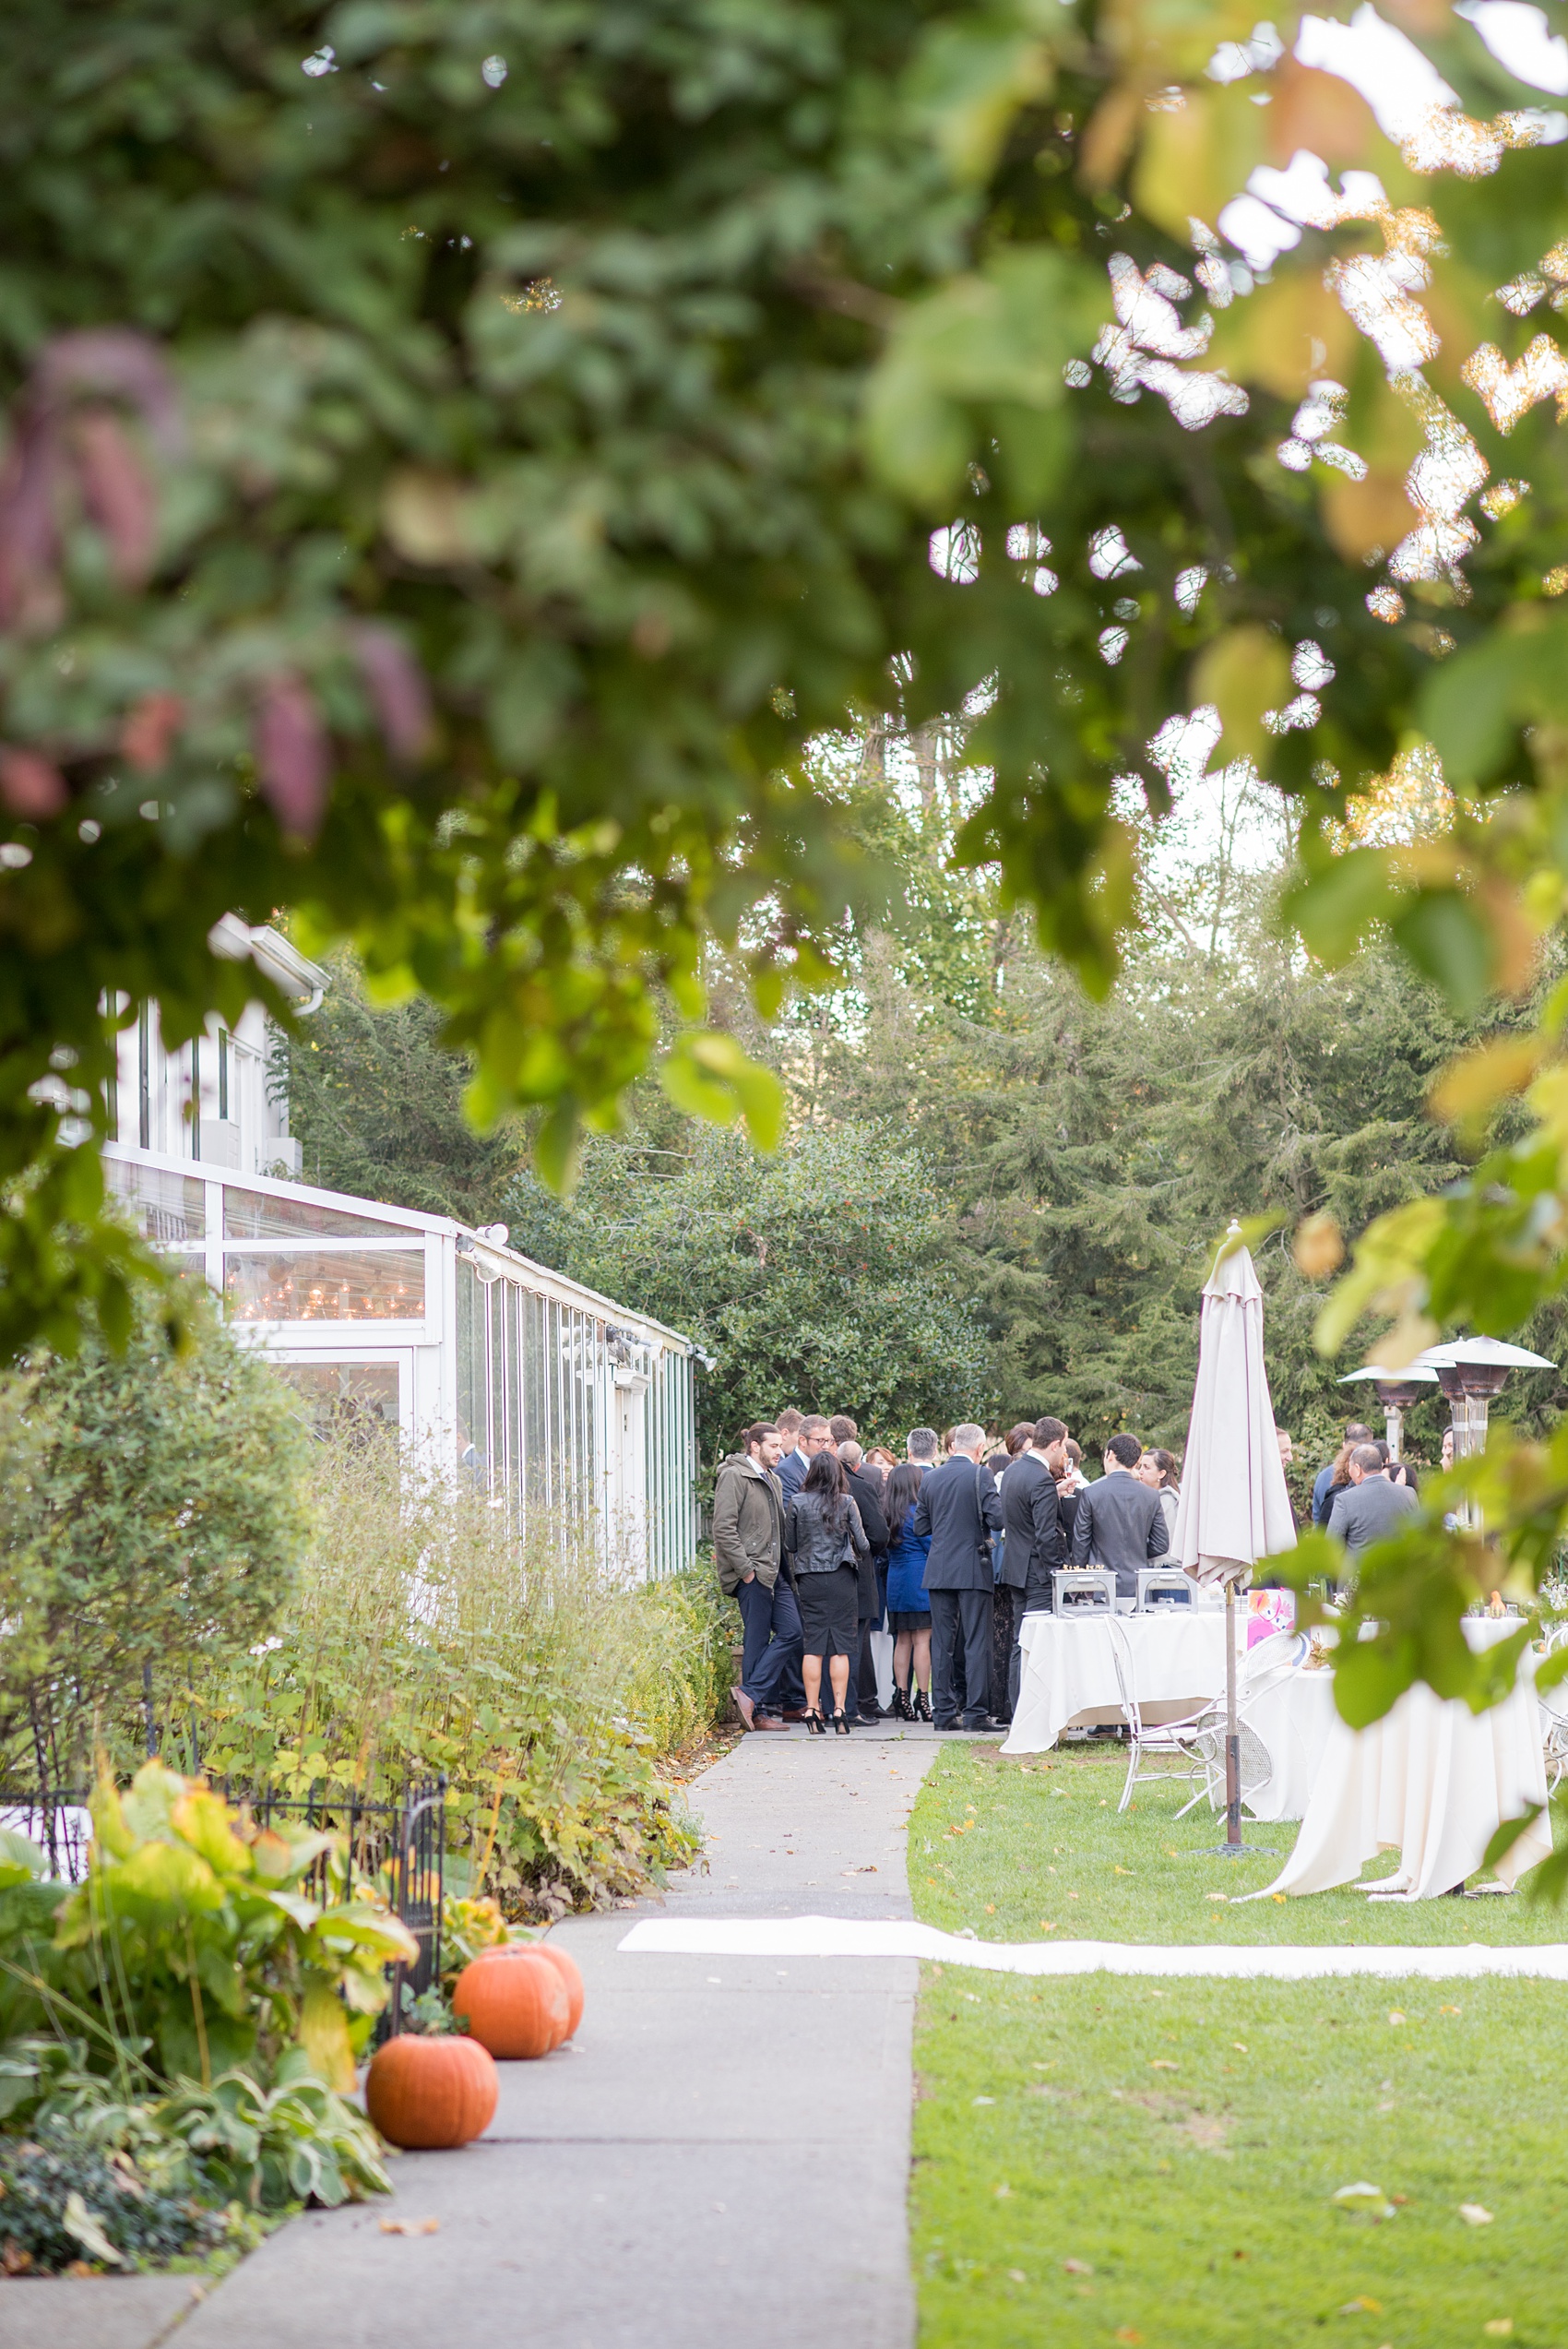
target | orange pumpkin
[
  {"x": 426, "y": 2092},
  {"x": 567, "y": 1968},
  {"x": 513, "y": 2002}
]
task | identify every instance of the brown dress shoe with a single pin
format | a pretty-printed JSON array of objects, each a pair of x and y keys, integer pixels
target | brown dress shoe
[
  {"x": 765, "y": 1721},
  {"x": 795, "y": 1712},
  {"x": 743, "y": 1706}
]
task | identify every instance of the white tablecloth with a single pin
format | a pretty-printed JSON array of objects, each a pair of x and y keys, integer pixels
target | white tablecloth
[
  {"x": 1177, "y": 1660},
  {"x": 1295, "y": 1720},
  {"x": 1432, "y": 1781}
]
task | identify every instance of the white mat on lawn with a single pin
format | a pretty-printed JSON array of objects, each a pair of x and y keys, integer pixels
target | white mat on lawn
[{"x": 828, "y": 1936}]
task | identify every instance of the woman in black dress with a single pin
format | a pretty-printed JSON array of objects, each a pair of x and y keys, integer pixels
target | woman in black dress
[{"x": 823, "y": 1538}]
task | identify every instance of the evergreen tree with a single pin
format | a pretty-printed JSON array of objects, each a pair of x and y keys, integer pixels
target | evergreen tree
[
  {"x": 377, "y": 1105},
  {"x": 826, "y": 1275}
]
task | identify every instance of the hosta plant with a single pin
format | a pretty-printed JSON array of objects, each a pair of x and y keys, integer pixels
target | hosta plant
[{"x": 196, "y": 1941}]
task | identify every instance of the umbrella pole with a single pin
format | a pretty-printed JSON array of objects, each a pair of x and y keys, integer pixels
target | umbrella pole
[{"x": 1232, "y": 1736}]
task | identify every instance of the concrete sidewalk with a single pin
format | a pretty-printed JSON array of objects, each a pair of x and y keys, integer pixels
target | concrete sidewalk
[{"x": 720, "y": 2157}]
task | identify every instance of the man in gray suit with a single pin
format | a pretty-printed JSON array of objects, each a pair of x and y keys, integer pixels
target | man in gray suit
[
  {"x": 1120, "y": 1521},
  {"x": 960, "y": 1507},
  {"x": 1369, "y": 1508}
]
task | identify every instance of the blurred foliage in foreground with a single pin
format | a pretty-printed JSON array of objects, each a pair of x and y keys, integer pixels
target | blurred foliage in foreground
[{"x": 457, "y": 463}]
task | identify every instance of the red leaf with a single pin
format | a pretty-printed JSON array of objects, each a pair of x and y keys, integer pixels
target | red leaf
[
  {"x": 113, "y": 361},
  {"x": 396, "y": 685},
  {"x": 117, "y": 492},
  {"x": 293, "y": 755},
  {"x": 31, "y": 785},
  {"x": 149, "y": 729},
  {"x": 29, "y": 543},
  {"x": 99, "y": 364}
]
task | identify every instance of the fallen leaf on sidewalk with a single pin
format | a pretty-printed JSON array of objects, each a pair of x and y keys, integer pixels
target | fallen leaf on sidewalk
[{"x": 410, "y": 2226}]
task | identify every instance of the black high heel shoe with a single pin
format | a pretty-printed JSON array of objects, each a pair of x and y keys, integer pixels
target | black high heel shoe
[
  {"x": 815, "y": 1725},
  {"x": 841, "y": 1722},
  {"x": 902, "y": 1709},
  {"x": 922, "y": 1704}
]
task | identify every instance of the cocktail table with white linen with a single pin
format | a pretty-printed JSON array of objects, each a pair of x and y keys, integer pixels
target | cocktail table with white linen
[
  {"x": 1178, "y": 1661},
  {"x": 1294, "y": 1719},
  {"x": 1432, "y": 1781}
]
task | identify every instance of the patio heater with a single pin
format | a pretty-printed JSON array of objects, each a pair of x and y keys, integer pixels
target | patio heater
[
  {"x": 1399, "y": 1391},
  {"x": 1471, "y": 1373}
]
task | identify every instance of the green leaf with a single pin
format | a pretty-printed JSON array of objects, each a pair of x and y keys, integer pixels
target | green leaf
[
  {"x": 1508, "y": 1834},
  {"x": 969, "y": 81},
  {"x": 1000, "y": 337},
  {"x": 707, "y": 1075},
  {"x": 1449, "y": 944}
]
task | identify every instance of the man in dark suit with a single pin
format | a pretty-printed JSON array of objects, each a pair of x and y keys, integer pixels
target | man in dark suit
[
  {"x": 862, "y": 1703},
  {"x": 792, "y": 1462},
  {"x": 960, "y": 1507},
  {"x": 1120, "y": 1521},
  {"x": 1031, "y": 1519}
]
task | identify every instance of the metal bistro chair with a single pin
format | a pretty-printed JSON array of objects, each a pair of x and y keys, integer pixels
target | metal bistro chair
[
  {"x": 1173, "y": 1737},
  {"x": 1274, "y": 1660}
]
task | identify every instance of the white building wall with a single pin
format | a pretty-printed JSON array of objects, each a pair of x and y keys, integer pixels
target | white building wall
[{"x": 209, "y": 1102}]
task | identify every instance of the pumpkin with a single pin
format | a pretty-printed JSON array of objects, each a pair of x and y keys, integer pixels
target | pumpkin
[
  {"x": 514, "y": 2001},
  {"x": 567, "y": 1968},
  {"x": 430, "y": 2092}
]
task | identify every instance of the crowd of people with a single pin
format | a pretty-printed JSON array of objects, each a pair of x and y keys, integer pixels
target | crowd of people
[
  {"x": 821, "y": 1543},
  {"x": 948, "y": 1549}
]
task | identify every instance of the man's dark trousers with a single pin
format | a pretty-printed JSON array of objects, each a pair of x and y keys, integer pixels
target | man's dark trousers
[
  {"x": 773, "y": 1639},
  {"x": 862, "y": 1681},
  {"x": 960, "y": 1620},
  {"x": 1007, "y": 1607}
]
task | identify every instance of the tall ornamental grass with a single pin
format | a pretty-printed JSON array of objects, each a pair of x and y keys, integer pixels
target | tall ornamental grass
[{"x": 421, "y": 1636}]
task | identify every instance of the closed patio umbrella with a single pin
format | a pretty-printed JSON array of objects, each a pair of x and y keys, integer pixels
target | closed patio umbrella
[{"x": 1234, "y": 1507}]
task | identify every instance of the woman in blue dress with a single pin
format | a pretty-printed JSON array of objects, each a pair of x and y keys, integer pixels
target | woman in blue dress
[{"x": 908, "y": 1607}]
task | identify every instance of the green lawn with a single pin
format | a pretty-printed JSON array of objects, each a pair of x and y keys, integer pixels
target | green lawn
[{"x": 1179, "y": 2144}]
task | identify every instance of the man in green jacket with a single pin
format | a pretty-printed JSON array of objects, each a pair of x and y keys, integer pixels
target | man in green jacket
[{"x": 748, "y": 1540}]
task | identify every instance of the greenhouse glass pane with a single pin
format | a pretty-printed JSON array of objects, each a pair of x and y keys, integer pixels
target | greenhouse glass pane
[
  {"x": 344, "y": 1398},
  {"x": 171, "y": 1208},
  {"x": 346, "y": 1285},
  {"x": 253, "y": 1215},
  {"x": 554, "y": 1448},
  {"x": 536, "y": 1424},
  {"x": 474, "y": 1415}
]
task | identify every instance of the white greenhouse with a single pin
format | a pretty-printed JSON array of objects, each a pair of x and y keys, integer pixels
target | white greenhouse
[{"x": 568, "y": 1407}]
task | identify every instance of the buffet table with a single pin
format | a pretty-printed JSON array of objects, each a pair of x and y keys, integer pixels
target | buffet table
[
  {"x": 1431, "y": 1779},
  {"x": 1069, "y": 1674}
]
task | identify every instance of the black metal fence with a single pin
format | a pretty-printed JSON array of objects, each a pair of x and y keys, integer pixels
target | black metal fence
[{"x": 403, "y": 1841}]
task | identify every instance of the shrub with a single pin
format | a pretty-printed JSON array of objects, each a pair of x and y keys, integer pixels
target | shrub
[
  {"x": 422, "y": 1637},
  {"x": 150, "y": 1519},
  {"x": 825, "y": 1275},
  {"x": 66, "y": 2202}
]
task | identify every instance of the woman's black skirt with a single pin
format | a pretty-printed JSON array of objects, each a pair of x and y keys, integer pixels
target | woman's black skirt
[
  {"x": 905, "y": 1619},
  {"x": 829, "y": 1611}
]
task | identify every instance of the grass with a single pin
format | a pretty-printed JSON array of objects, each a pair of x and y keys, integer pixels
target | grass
[{"x": 1101, "y": 2162}]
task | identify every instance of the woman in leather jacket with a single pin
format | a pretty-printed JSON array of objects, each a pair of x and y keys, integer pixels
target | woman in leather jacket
[{"x": 822, "y": 1539}]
